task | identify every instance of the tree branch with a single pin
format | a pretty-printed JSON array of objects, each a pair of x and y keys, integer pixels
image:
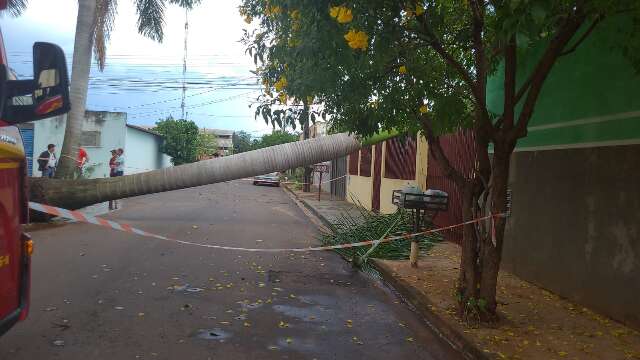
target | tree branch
[
  {"x": 544, "y": 66},
  {"x": 480, "y": 59},
  {"x": 438, "y": 152},
  {"x": 435, "y": 43},
  {"x": 510, "y": 68},
  {"x": 583, "y": 37}
]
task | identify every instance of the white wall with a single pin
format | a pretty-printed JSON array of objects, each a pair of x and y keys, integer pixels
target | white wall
[{"x": 142, "y": 152}]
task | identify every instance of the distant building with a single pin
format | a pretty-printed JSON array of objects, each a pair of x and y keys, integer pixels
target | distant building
[
  {"x": 102, "y": 131},
  {"x": 224, "y": 139}
]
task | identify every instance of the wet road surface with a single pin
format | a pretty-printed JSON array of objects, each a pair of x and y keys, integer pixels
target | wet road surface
[{"x": 102, "y": 294}]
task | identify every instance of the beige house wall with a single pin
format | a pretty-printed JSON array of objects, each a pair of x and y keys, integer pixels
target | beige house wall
[{"x": 360, "y": 188}]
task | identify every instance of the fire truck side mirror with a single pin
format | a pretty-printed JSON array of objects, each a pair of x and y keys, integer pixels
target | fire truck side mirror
[{"x": 44, "y": 96}]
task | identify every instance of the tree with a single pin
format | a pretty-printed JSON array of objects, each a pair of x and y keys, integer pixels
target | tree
[
  {"x": 94, "y": 24},
  {"x": 207, "y": 145},
  {"x": 277, "y": 137},
  {"x": 422, "y": 66},
  {"x": 181, "y": 140},
  {"x": 74, "y": 194},
  {"x": 241, "y": 141}
]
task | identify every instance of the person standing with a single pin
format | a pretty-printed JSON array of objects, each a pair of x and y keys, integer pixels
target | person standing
[
  {"x": 81, "y": 161},
  {"x": 113, "y": 204},
  {"x": 112, "y": 163},
  {"x": 120, "y": 163},
  {"x": 47, "y": 161}
]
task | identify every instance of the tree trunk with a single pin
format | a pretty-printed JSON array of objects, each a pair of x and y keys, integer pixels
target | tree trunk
[
  {"x": 469, "y": 271},
  {"x": 80, "y": 69},
  {"x": 482, "y": 245},
  {"x": 493, "y": 241},
  {"x": 74, "y": 194}
]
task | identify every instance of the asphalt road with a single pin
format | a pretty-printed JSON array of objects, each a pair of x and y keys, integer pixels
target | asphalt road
[{"x": 103, "y": 294}]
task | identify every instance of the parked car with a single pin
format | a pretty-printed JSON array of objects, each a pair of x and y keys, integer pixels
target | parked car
[{"x": 272, "y": 179}]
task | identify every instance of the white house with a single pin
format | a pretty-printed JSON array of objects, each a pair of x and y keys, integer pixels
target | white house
[{"x": 102, "y": 131}]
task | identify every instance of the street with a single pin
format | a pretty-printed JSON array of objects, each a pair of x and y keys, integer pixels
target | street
[{"x": 104, "y": 294}]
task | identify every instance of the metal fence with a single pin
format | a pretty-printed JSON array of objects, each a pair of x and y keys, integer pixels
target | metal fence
[{"x": 460, "y": 150}]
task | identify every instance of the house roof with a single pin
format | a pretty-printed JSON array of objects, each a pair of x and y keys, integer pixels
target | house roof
[{"x": 144, "y": 129}]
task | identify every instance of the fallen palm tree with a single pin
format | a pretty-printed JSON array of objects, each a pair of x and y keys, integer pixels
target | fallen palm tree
[{"x": 74, "y": 194}]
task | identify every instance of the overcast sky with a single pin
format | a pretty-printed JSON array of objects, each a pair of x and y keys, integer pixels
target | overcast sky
[{"x": 144, "y": 78}]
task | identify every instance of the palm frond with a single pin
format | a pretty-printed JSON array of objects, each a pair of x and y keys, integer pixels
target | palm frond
[
  {"x": 349, "y": 228},
  {"x": 185, "y": 4},
  {"x": 106, "y": 11},
  {"x": 151, "y": 18},
  {"x": 16, "y": 7}
]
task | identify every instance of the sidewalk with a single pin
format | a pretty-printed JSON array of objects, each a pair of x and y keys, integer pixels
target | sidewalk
[
  {"x": 535, "y": 324},
  {"x": 326, "y": 209}
]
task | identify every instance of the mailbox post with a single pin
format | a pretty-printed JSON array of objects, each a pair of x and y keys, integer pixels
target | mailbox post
[{"x": 422, "y": 204}]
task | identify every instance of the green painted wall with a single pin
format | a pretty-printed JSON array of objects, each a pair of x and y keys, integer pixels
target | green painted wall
[{"x": 591, "y": 97}]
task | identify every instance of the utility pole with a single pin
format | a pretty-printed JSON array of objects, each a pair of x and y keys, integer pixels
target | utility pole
[
  {"x": 184, "y": 63},
  {"x": 308, "y": 170}
]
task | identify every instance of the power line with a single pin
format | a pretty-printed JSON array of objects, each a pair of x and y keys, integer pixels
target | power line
[
  {"x": 216, "y": 101},
  {"x": 228, "y": 86}
]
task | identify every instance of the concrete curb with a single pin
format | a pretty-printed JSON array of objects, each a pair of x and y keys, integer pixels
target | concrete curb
[
  {"x": 315, "y": 212},
  {"x": 421, "y": 304}
]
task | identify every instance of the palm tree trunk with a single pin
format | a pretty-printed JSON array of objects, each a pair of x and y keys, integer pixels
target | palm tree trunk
[
  {"x": 74, "y": 194},
  {"x": 80, "y": 69}
]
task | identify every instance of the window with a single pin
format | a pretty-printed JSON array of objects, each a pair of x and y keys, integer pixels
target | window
[
  {"x": 90, "y": 138},
  {"x": 365, "y": 161},
  {"x": 353, "y": 163},
  {"x": 400, "y": 159}
]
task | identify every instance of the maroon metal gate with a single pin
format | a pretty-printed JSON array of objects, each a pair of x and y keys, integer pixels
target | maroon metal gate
[{"x": 460, "y": 150}]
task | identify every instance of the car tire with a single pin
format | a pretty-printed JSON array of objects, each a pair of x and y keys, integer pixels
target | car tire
[{"x": 255, "y": 183}]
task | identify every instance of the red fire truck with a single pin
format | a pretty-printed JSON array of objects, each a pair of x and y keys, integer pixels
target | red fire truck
[{"x": 46, "y": 95}]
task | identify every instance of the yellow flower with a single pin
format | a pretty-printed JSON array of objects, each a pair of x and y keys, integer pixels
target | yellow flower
[
  {"x": 281, "y": 84},
  {"x": 273, "y": 10},
  {"x": 419, "y": 10},
  {"x": 342, "y": 14},
  {"x": 334, "y": 11},
  {"x": 248, "y": 19},
  {"x": 357, "y": 39},
  {"x": 402, "y": 69},
  {"x": 424, "y": 109},
  {"x": 295, "y": 14},
  {"x": 282, "y": 97}
]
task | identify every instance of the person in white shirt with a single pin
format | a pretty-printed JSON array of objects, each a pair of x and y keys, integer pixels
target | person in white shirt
[
  {"x": 120, "y": 163},
  {"x": 47, "y": 161}
]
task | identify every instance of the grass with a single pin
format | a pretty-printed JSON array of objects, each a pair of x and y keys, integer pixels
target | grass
[{"x": 349, "y": 228}]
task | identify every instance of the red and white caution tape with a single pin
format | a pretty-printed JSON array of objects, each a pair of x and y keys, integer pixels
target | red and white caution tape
[{"x": 81, "y": 217}]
